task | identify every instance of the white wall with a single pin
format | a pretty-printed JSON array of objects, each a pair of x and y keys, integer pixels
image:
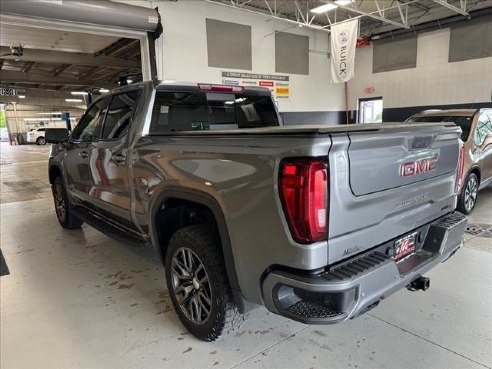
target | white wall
[
  {"x": 182, "y": 53},
  {"x": 433, "y": 82}
]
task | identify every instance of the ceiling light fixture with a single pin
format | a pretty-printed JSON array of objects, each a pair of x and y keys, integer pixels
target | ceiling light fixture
[
  {"x": 129, "y": 81},
  {"x": 324, "y": 8},
  {"x": 103, "y": 90},
  {"x": 73, "y": 100},
  {"x": 79, "y": 93},
  {"x": 343, "y": 2},
  {"x": 21, "y": 96},
  {"x": 52, "y": 113}
]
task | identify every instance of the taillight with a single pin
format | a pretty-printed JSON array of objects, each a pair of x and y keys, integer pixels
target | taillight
[
  {"x": 303, "y": 190},
  {"x": 461, "y": 167}
]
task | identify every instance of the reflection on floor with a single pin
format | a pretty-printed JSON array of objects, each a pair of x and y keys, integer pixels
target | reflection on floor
[{"x": 79, "y": 299}]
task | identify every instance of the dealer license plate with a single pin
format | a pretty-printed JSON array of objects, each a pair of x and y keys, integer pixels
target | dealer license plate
[{"x": 405, "y": 246}]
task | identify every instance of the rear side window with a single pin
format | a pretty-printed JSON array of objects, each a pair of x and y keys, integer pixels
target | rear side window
[
  {"x": 484, "y": 128},
  {"x": 41, "y": 129},
  {"x": 463, "y": 122},
  {"x": 90, "y": 125},
  {"x": 119, "y": 115},
  {"x": 197, "y": 111}
]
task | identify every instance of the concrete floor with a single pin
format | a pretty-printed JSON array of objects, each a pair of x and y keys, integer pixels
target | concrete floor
[{"x": 79, "y": 299}]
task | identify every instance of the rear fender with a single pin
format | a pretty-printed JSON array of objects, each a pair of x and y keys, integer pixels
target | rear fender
[{"x": 207, "y": 200}]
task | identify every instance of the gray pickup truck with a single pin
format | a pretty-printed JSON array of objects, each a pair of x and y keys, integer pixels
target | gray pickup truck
[{"x": 317, "y": 223}]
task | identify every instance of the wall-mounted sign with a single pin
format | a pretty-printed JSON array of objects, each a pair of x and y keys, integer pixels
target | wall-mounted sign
[
  {"x": 8, "y": 91},
  {"x": 369, "y": 90},
  {"x": 241, "y": 75},
  {"x": 266, "y": 83},
  {"x": 282, "y": 91},
  {"x": 277, "y": 84}
]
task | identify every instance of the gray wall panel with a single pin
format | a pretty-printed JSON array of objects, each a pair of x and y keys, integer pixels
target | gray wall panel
[
  {"x": 228, "y": 45},
  {"x": 291, "y": 53},
  {"x": 394, "y": 54},
  {"x": 471, "y": 40}
]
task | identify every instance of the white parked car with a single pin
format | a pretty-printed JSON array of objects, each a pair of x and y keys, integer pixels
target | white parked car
[{"x": 36, "y": 135}]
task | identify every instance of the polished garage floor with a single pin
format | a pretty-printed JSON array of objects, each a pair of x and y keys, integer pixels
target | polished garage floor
[{"x": 79, "y": 299}]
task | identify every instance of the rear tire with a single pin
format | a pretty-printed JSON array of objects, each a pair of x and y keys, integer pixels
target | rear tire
[
  {"x": 468, "y": 195},
  {"x": 62, "y": 206},
  {"x": 41, "y": 141},
  {"x": 198, "y": 285}
]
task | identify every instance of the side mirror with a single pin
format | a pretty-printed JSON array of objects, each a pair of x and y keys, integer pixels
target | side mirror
[{"x": 56, "y": 135}]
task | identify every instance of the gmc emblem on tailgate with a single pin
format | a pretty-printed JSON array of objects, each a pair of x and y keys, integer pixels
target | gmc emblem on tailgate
[{"x": 424, "y": 165}]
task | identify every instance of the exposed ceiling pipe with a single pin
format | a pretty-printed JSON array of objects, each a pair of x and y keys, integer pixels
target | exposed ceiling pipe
[
  {"x": 433, "y": 25},
  {"x": 299, "y": 24}
]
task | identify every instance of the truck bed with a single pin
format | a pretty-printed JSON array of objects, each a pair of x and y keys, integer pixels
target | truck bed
[{"x": 315, "y": 129}]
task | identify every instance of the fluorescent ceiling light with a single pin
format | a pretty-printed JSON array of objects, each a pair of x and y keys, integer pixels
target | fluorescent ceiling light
[
  {"x": 37, "y": 119},
  {"x": 21, "y": 96},
  {"x": 344, "y": 2},
  {"x": 103, "y": 90},
  {"x": 79, "y": 93},
  {"x": 129, "y": 81},
  {"x": 52, "y": 113},
  {"x": 323, "y": 8},
  {"x": 73, "y": 100}
]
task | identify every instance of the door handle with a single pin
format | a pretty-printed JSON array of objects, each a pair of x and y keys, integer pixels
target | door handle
[
  {"x": 118, "y": 158},
  {"x": 84, "y": 154}
]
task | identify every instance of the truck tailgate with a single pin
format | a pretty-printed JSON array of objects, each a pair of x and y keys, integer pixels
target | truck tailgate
[
  {"x": 387, "y": 182},
  {"x": 398, "y": 159}
]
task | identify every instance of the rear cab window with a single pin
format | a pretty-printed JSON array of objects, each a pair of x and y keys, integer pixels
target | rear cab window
[{"x": 204, "y": 111}]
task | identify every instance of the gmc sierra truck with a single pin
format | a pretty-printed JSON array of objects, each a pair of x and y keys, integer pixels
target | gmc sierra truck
[{"x": 317, "y": 223}]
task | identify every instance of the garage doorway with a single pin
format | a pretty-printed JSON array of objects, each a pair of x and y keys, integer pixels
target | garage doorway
[{"x": 370, "y": 110}]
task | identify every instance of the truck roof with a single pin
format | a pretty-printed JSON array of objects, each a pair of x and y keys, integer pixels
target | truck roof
[
  {"x": 446, "y": 113},
  {"x": 189, "y": 86}
]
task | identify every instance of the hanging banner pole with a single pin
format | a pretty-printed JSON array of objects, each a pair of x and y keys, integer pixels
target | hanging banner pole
[{"x": 343, "y": 44}]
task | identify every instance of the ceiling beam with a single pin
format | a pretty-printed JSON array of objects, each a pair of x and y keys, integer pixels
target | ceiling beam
[
  {"x": 36, "y": 78},
  {"x": 90, "y": 72},
  {"x": 28, "y": 67},
  {"x": 116, "y": 47},
  {"x": 452, "y": 7},
  {"x": 62, "y": 57},
  {"x": 50, "y": 93},
  {"x": 274, "y": 13},
  {"x": 62, "y": 68},
  {"x": 351, "y": 8}
]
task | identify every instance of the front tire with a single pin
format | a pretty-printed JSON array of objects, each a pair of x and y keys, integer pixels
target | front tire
[
  {"x": 469, "y": 194},
  {"x": 41, "y": 141},
  {"x": 198, "y": 285},
  {"x": 62, "y": 206}
]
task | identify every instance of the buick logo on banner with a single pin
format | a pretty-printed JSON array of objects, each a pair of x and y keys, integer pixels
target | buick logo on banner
[{"x": 343, "y": 42}]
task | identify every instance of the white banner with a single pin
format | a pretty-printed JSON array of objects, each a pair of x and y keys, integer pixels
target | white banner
[{"x": 343, "y": 42}]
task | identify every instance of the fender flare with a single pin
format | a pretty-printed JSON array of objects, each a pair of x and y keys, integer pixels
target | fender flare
[{"x": 205, "y": 199}]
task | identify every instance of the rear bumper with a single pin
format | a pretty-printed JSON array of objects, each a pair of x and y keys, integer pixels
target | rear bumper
[{"x": 359, "y": 284}]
